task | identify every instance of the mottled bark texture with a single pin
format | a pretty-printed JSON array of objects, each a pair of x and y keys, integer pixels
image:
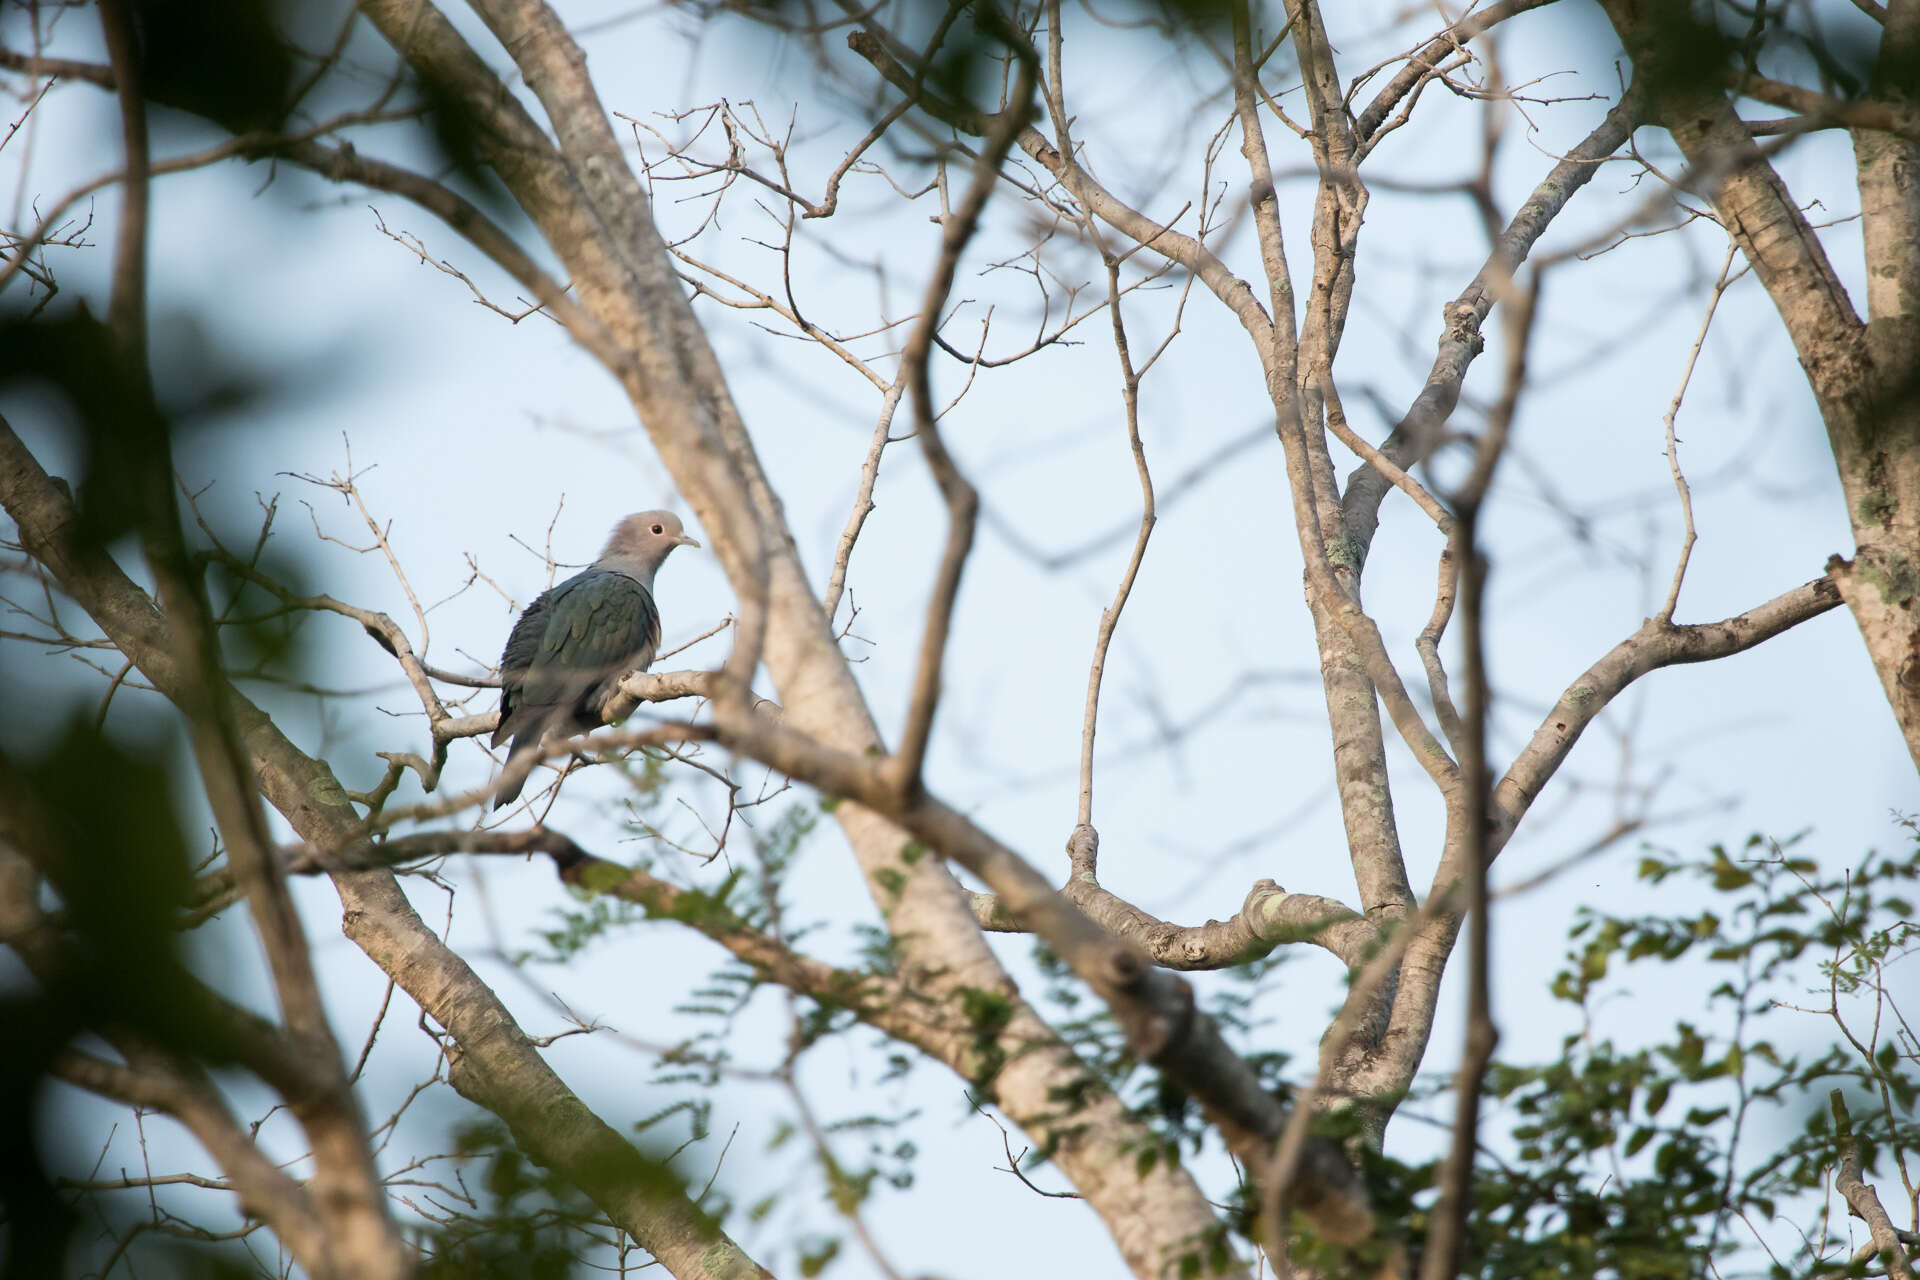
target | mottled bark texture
[
  {"x": 1270, "y": 917},
  {"x": 1865, "y": 377}
]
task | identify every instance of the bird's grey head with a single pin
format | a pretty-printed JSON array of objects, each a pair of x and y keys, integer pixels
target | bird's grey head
[{"x": 643, "y": 540}]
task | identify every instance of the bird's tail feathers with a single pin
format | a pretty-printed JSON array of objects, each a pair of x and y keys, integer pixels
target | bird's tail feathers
[{"x": 520, "y": 764}]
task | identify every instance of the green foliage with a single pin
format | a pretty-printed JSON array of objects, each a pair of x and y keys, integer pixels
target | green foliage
[
  {"x": 579, "y": 928},
  {"x": 1641, "y": 1161},
  {"x": 575, "y": 929},
  {"x": 523, "y": 1222},
  {"x": 815, "y": 1255},
  {"x": 456, "y": 135},
  {"x": 113, "y": 849},
  {"x": 987, "y": 1014},
  {"x": 879, "y": 949},
  {"x": 229, "y": 62},
  {"x": 503, "y": 1214},
  {"x": 1685, "y": 47},
  {"x": 853, "y": 1156},
  {"x": 893, "y": 880},
  {"x": 775, "y": 850},
  {"x": 122, "y": 432},
  {"x": 969, "y": 49}
]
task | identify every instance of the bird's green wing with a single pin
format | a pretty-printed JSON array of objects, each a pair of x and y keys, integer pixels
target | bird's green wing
[
  {"x": 523, "y": 642},
  {"x": 598, "y": 626}
]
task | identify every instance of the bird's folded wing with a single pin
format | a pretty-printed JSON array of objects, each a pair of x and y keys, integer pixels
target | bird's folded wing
[
  {"x": 598, "y": 628},
  {"x": 523, "y": 644}
]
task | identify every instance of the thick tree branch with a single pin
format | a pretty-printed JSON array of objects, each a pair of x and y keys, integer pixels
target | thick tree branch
[
  {"x": 1418, "y": 432},
  {"x": 1427, "y": 61},
  {"x": 58, "y": 68},
  {"x": 1653, "y": 646},
  {"x": 1270, "y": 917},
  {"x": 1355, "y": 667},
  {"x": 1880, "y": 455},
  {"x": 1863, "y": 1202},
  {"x": 877, "y": 999},
  {"x": 1391, "y": 1068},
  {"x": 1882, "y": 116},
  {"x": 1154, "y": 1008}
]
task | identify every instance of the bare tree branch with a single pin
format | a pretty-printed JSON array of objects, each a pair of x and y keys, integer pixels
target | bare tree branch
[
  {"x": 1862, "y": 1200},
  {"x": 1368, "y": 126},
  {"x": 1175, "y": 246},
  {"x": 1270, "y": 917},
  {"x": 1420, "y": 430},
  {"x": 1110, "y": 616},
  {"x": 963, "y": 501}
]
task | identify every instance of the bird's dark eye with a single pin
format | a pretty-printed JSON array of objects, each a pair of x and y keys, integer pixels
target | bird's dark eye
[{"x": 658, "y": 529}]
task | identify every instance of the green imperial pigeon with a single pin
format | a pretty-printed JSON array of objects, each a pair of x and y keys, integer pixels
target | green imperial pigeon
[{"x": 577, "y": 641}]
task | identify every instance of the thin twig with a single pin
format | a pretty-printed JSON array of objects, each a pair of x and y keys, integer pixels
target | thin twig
[
  {"x": 863, "y": 504},
  {"x": 963, "y": 502},
  {"x": 1110, "y": 616},
  {"x": 1689, "y": 537},
  {"x": 1470, "y": 822}
]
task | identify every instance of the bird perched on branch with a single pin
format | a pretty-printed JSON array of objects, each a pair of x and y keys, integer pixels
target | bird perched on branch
[{"x": 577, "y": 641}]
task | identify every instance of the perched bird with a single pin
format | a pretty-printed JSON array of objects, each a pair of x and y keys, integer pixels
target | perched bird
[{"x": 577, "y": 641}]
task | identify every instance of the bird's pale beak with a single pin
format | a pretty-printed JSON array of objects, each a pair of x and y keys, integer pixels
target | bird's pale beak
[{"x": 686, "y": 540}]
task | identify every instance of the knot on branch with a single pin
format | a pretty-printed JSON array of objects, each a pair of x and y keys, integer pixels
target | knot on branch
[
  {"x": 1463, "y": 325},
  {"x": 1083, "y": 852},
  {"x": 1257, "y": 897}
]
